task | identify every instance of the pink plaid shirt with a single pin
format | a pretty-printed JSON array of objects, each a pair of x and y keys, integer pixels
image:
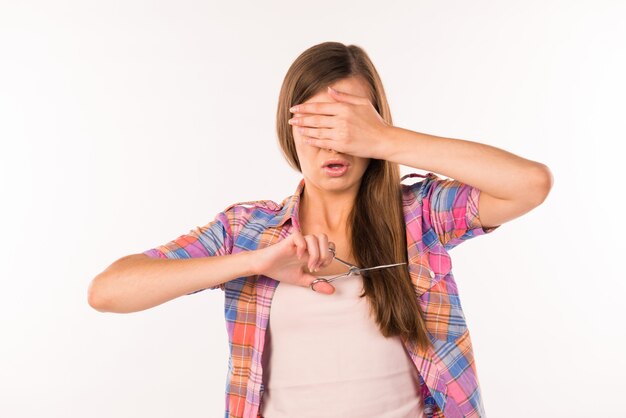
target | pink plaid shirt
[{"x": 439, "y": 214}]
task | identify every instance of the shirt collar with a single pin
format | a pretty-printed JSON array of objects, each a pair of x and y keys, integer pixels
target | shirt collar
[{"x": 291, "y": 207}]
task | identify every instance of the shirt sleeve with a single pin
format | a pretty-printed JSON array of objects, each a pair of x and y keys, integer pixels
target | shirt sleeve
[
  {"x": 452, "y": 208},
  {"x": 212, "y": 239}
]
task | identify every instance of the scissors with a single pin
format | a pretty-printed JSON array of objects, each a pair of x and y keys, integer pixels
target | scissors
[{"x": 354, "y": 270}]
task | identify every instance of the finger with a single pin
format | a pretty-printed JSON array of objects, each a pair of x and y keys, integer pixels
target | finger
[
  {"x": 319, "y": 133},
  {"x": 314, "y": 121},
  {"x": 331, "y": 254},
  {"x": 323, "y": 287},
  {"x": 324, "y": 108},
  {"x": 300, "y": 244},
  {"x": 322, "y": 143},
  {"x": 313, "y": 249},
  {"x": 322, "y": 239},
  {"x": 347, "y": 97}
]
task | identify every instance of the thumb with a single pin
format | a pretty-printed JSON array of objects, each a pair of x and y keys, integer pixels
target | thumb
[
  {"x": 321, "y": 286},
  {"x": 346, "y": 97}
]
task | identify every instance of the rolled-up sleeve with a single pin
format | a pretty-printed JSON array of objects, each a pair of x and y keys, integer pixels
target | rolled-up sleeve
[
  {"x": 212, "y": 239},
  {"x": 452, "y": 209}
]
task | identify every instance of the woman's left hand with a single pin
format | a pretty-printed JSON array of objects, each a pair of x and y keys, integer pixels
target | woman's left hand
[{"x": 351, "y": 125}]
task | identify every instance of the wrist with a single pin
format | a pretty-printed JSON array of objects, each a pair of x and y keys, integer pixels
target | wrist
[
  {"x": 387, "y": 144},
  {"x": 250, "y": 264}
]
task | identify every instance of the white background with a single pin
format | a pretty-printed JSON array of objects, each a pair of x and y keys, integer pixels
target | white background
[{"x": 124, "y": 124}]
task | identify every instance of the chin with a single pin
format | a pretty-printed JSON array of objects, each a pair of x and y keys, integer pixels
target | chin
[{"x": 340, "y": 183}]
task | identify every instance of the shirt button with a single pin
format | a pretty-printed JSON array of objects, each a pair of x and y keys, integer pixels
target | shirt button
[{"x": 432, "y": 274}]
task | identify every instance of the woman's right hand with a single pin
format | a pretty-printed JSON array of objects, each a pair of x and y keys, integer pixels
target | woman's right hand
[{"x": 294, "y": 258}]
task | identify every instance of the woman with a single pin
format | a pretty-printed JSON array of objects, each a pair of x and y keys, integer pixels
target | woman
[{"x": 390, "y": 342}]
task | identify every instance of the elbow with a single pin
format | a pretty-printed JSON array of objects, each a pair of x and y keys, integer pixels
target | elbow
[
  {"x": 99, "y": 293},
  {"x": 95, "y": 295},
  {"x": 539, "y": 185}
]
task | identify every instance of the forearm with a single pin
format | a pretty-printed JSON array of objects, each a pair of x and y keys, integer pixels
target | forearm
[
  {"x": 499, "y": 173},
  {"x": 138, "y": 282}
]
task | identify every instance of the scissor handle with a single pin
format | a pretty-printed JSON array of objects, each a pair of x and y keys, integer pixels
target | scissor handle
[
  {"x": 345, "y": 263},
  {"x": 321, "y": 279}
]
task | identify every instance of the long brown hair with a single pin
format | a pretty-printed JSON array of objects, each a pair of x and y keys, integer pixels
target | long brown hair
[{"x": 376, "y": 239}]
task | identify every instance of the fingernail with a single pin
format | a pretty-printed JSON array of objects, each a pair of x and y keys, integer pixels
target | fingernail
[{"x": 293, "y": 109}]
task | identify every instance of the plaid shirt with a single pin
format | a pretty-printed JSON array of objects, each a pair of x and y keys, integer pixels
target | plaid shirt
[{"x": 439, "y": 214}]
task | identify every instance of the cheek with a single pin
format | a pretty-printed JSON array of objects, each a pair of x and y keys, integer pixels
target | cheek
[
  {"x": 363, "y": 165},
  {"x": 302, "y": 149},
  {"x": 297, "y": 141}
]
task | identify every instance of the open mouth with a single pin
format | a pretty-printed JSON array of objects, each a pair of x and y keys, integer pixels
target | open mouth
[{"x": 335, "y": 167}]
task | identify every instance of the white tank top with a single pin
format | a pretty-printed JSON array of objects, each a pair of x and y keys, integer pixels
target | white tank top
[{"x": 325, "y": 356}]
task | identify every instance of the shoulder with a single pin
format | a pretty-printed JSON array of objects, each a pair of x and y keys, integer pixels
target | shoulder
[
  {"x": 252, "y": 205},
  {"x": 266, "y": 213},
  {"x": 415, "y": 192}
]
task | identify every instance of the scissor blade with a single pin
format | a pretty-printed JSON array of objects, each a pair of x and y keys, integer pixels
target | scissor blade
[
  {"x": 378, "y": 267},
  {"x": 358, "y": 271},
  {"x": 345, "y": 263}
]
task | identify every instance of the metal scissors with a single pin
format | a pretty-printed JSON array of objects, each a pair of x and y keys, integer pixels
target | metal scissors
[{"x": 354, "y": 270}]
